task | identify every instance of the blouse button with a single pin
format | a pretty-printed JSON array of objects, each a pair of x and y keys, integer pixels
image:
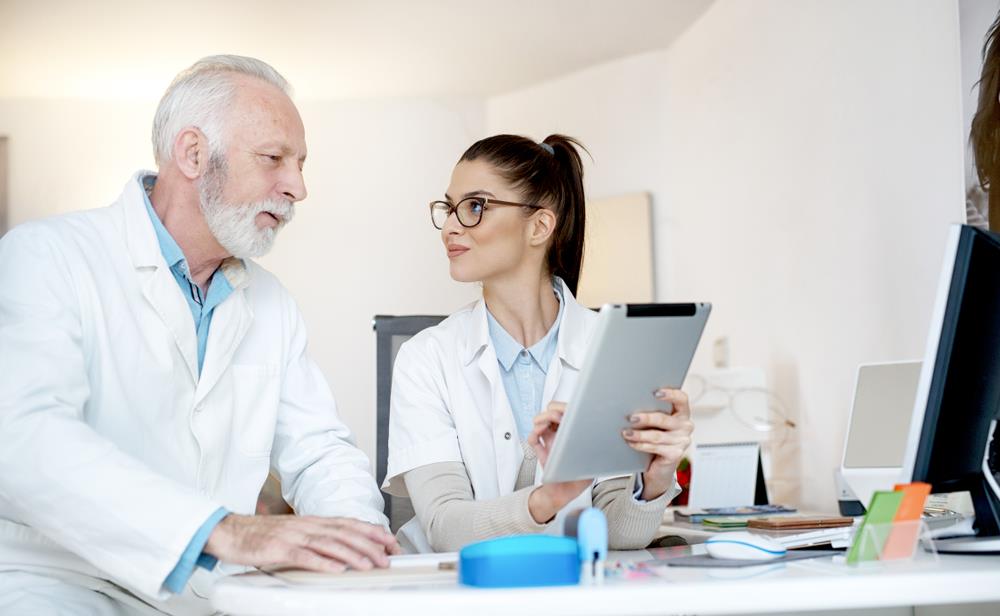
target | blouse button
[{"x": 506, "y": 435}]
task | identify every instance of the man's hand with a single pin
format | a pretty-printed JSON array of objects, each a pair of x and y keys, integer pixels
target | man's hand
[{"x": 304, "y": 542}]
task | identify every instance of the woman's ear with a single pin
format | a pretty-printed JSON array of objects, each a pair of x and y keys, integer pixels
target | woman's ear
[
  {"x": 543, "y": 227},
  {"x": 191, "y": 152}
]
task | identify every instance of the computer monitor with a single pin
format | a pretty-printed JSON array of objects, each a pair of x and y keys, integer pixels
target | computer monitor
[
  {"x": 879, "y": 426},
  {"x": 958, "y": 396}
]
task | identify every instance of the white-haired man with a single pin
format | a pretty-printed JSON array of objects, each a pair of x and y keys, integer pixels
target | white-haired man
[{"x": 153, "y": 374}]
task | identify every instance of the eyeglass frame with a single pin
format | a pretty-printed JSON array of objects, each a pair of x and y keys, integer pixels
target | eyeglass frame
[{"x": 487, "y": 201}]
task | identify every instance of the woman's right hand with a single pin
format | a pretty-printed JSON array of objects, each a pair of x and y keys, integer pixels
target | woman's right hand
[
  {"x": 547, "y": 499},
  {"x": 543, "y": 433}
]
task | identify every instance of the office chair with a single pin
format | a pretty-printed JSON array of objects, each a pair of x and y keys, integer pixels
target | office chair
[{"x": 390, "y": 333}]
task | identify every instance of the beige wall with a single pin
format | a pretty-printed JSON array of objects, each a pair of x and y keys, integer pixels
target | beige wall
[
  {"x": 804, "y": 158},
  {"x": 361, "y": 243}
]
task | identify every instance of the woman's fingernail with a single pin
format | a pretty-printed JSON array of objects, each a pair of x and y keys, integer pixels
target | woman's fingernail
[
  {"x": 634, "y": 418},
  {"x": 628, "y": 433},
  {"x": 660, "y": 393}
]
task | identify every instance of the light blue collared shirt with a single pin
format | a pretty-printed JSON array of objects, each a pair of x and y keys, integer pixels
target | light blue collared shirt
[
  {"x": 201, "y": 309},
  {"x": 202, "y": 305},
  {"x": 523, "y": 370}
]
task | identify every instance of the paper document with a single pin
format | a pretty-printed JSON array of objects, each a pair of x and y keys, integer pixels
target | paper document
[
  {"x": 724, "y": 475},
  {"x": 404, "y": 570},
  {"x": 423, "y": 560}
]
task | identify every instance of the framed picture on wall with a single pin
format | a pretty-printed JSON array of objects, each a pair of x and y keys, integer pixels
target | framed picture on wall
[
  {"x": 618, "y": 252},
  {"x": 3, "y": 186}
]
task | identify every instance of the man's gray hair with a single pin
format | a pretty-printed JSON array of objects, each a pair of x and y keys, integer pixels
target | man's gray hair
[{"x": 201, "y": 96}]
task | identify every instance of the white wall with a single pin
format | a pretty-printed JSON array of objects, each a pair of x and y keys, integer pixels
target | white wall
[
  {"x": 805, "y": 158},
  {"x": 361, "y": 243}
]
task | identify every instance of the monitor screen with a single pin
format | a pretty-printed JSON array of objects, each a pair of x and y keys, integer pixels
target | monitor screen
[
  {"x": 880, "y": 415},
  {"x": 959, "y": 392}
]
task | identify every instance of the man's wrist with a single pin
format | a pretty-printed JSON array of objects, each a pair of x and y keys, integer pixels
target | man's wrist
[{"x": 221, "y": 539}]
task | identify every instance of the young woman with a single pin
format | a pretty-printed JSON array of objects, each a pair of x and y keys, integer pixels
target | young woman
[{"x": 476, "y": 400}]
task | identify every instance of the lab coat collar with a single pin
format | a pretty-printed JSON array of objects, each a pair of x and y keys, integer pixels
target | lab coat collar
[
  {"x": 572, "y": 340},
  {"x": 144, "y": 248},
  {"x": 232, "y": 317}
]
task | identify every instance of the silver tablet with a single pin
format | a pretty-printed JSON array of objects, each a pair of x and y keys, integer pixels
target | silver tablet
[{"x": 636, "y": 349}]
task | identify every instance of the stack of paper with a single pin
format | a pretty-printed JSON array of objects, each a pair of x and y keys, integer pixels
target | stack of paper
[{"x": 794, "y": 539}]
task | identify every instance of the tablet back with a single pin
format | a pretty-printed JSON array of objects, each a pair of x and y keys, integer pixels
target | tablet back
[{"x": 636, "y": 349}]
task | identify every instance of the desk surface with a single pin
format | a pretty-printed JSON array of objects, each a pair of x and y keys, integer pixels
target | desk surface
[{"x": 822, "y": 583}]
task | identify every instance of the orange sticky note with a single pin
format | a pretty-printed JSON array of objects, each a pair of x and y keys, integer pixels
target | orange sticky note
[{"x": 906, "y": 524}]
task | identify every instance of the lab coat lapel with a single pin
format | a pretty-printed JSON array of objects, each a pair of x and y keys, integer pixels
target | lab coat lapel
[
  {"x": 161, "y": 291},
  {"x": 230, "y": 322},
  {"x": 574, "y": 335},
  {"x": 571, "y": 346},
  {"x": 500, "y": 421},
  {"x": 156, "y": 281}
]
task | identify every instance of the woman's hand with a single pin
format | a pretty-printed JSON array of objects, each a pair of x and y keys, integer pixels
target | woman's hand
[
  {"x": 546, "y": 500},
  {"x": 666, "y": 435},
  {"x": 543, "y": 433}
]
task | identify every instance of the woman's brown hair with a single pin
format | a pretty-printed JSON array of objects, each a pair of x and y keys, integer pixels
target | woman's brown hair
[
  {"x": 549, "y": 173},
  {"x": 985, "y": 134}
]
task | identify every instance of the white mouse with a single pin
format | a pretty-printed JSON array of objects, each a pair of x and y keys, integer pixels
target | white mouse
[{"x": 743, "y": 546}]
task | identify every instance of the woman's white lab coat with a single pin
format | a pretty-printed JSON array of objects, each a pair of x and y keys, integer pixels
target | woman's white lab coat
[
  {"x": 113, "y": 451},
  {"x": 448, "y": 403}
]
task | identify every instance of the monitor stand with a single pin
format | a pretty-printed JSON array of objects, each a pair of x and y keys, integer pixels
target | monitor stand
[{"x": 985, "y": 493}]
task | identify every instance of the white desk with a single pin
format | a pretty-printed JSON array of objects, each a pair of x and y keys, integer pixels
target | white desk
[{"x": 818, "y": 584}]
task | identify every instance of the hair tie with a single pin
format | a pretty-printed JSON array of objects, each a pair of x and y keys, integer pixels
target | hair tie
[{"x": 547, "y": 147}]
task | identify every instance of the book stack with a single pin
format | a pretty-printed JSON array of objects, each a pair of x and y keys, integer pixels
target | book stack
[
  {"x": 794, "y": 532},
  {"x": 698, "y": 516}
]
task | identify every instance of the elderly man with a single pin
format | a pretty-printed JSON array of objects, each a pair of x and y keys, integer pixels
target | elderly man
[{"x": 153, "y": 374}]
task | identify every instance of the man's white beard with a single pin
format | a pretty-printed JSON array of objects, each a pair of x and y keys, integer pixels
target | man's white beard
[{"x": 233, "y": 224}]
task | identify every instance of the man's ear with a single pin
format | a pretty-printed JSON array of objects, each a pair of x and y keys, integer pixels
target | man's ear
[
  {"x": 543, "y": 226},
  {"x": 191, "y": 152}
]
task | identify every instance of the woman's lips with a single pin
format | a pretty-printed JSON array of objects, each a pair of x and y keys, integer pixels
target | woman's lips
[{"x": 454, "y": 251}]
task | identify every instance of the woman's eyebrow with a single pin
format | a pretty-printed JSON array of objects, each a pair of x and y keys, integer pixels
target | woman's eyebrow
[{"x": 474, "y": 193}]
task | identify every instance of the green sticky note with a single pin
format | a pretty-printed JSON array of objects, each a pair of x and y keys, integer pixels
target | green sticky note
[{"x": 875, "y": 528}]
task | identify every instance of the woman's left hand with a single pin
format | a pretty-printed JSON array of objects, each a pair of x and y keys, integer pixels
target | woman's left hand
[{"x": 666, "y": 435}]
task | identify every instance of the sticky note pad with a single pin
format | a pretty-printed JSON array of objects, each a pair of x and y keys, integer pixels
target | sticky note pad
[
  {"x": 875, "y": 528},
  {"x": 906, "y": 525}
]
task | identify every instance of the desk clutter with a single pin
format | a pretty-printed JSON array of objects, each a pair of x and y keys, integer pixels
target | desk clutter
[
  {"x": 693, "y": 515},
  {"x": 891, "y": 528}
]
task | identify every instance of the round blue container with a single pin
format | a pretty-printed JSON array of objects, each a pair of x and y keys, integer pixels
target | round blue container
[{"x": 521, "y": 560}]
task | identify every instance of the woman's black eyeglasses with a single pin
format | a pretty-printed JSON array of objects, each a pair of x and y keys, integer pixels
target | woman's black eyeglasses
[{"x": 469, "y": 210}]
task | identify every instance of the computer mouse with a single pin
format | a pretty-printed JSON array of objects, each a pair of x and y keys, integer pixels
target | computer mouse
[{"x": 743, "y": 546}]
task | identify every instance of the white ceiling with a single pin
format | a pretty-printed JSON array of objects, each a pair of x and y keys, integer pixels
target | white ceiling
[{"x": 331, "y": 49}]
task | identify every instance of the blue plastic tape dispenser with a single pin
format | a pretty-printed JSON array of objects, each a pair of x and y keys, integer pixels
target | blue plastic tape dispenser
[{"x": 538, "y": 560}]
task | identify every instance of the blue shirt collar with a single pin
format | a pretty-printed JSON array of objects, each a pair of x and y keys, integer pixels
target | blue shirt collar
[
  {"x": 172, "y": 253},
  {"x": 507, "y": 348}
]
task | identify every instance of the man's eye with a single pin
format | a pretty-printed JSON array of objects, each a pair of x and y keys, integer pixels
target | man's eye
[{"x": 274, "y": 158}]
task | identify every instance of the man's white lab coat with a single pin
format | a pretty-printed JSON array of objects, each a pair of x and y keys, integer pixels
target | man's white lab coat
[{"x": 113, "y": 451}]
